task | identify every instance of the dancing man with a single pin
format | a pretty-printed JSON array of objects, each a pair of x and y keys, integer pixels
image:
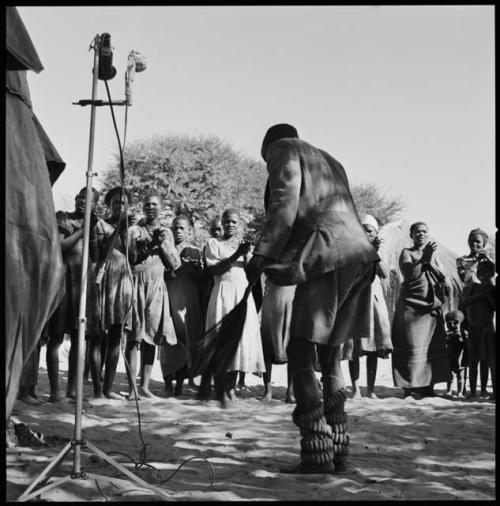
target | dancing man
[{"x": 313, "y": 238}]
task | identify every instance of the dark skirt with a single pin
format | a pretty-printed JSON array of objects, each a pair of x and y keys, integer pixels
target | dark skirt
[{"x": 420, "y": 357}]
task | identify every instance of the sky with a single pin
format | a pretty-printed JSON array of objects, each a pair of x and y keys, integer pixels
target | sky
[{"x": 402, "y": 96}]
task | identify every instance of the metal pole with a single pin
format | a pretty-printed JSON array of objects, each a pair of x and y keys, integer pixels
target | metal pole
[{"x": 83, "y": 280}]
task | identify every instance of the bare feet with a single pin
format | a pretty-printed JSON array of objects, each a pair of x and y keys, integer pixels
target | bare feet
[
  {"x": 55, "y": 398},
  {"x": 112, "y": 395},
  {"x": 356, "y": 394},
  {"x": 267, "y": 397},
  {"x": 372, "y": 395},
  {"x": 144, "y": 392},
  {"x": 28, "y": 399},
  {"x": 231, "y": 395},
  {"x": 448, "y": 394}
]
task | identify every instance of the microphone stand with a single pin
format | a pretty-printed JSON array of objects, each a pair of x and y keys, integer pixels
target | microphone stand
[{"x": 78, "y": 443}]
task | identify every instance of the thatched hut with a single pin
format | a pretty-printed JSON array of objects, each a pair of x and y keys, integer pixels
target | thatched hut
[{"x": 396, "y": 236}]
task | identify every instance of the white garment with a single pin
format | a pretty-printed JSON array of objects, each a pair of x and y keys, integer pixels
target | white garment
[{"x": 228, "y": 290}]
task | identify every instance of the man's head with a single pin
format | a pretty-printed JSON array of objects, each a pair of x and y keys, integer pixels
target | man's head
[
  {"x": 80, "y": 200},
  {"x": 275, "y": 133}
]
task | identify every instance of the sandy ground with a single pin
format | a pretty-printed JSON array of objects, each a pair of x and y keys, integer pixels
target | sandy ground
[{"x": 430, "y": 449}]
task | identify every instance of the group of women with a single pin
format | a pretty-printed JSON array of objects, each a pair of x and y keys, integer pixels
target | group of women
[{"x": 151, "y": 288}]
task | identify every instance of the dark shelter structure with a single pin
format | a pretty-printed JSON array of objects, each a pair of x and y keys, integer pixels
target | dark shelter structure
[{"x": 33, "y": 263}]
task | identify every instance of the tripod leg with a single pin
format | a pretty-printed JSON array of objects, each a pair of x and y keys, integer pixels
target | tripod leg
[
  {"x": 42, "y": 490},
  {"x": 46, "y": 471},
  {"x": 126, "y": 472}
]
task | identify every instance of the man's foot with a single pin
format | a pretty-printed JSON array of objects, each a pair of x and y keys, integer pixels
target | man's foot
[
  {"x": 448, "y": 393},
  {"x": 491, "y": 397},
  {"x": 242, "y": 386},
  {"x": 371, "y": 395},
  {"x": 460, "y": 395},
  {"x": 302, "y": 468},
  {"x": 290, "y": 398},
  {"x": 178, "y": 390},
  {"x": 471, "y": 395},
  {"x": 356, "y": 394},
  {"x": 192, "y": 385},
  {"x": 28, "y": 399},
  {"x": 169, "y": 390},
  {"x": 484, "y": 394},
  {"x": 231, "y": 395}
]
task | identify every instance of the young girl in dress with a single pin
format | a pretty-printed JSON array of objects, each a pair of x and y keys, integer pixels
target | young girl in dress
[
  {"x": 185, "y": 296},
  {"x": 151, "y": 321},
  {"x": 225, "y": 259}
]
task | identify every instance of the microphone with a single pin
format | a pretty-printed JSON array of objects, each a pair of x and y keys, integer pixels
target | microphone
[
  {"x": 106, "y": 69},
  {"x": 135, "y": 63}
]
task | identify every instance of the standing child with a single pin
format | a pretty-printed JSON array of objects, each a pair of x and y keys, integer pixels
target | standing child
[
  {"x": 456, "y": 344},
  {"x": 225, "y": 259},
  {"x": 467, "y": 271},
  {"x": 183, "y": 285},
  {"x": 115, "y": 281},
  {"x": 151, "y": 321},
  {"x": 65, "y": 318},
  {"x": 378, "y": 344},
  {"x": 480, "y": 304}
]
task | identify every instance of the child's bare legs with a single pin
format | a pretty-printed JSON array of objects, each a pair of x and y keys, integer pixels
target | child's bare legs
[
  {"x": 484, "y": 370},
  {"x": 72, "y": 360},
  {"x": 268, "y": 391},
  {"x": 354, "y": 374},
  {"x": 86, "y": 364},
  {"x": 112, "y": 355},
  {"x": 147, "y": 361},
  {"x": 180, "y": 375},
  {"x": 94, "y": 344},
  {"x": 231, "y": 384},
  {"x": 460, "y": 382},
  {"x": 241, "y": 381},
  {"x": 52, "y": 359},
  {"x": 371, "y": 373},
  {"x": 131, "y": 359},
  {"x": 289, "y": 397},
  {"x": 472, "y": 378},
  {"x": 29, "y": 378},
  {"x": 448, "y": 387}
]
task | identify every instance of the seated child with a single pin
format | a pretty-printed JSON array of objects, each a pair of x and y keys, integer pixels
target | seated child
[{"x": 456, "y": 345}]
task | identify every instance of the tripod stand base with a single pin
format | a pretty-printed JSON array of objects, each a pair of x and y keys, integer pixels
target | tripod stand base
[{"x": 28, "y": 494}]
